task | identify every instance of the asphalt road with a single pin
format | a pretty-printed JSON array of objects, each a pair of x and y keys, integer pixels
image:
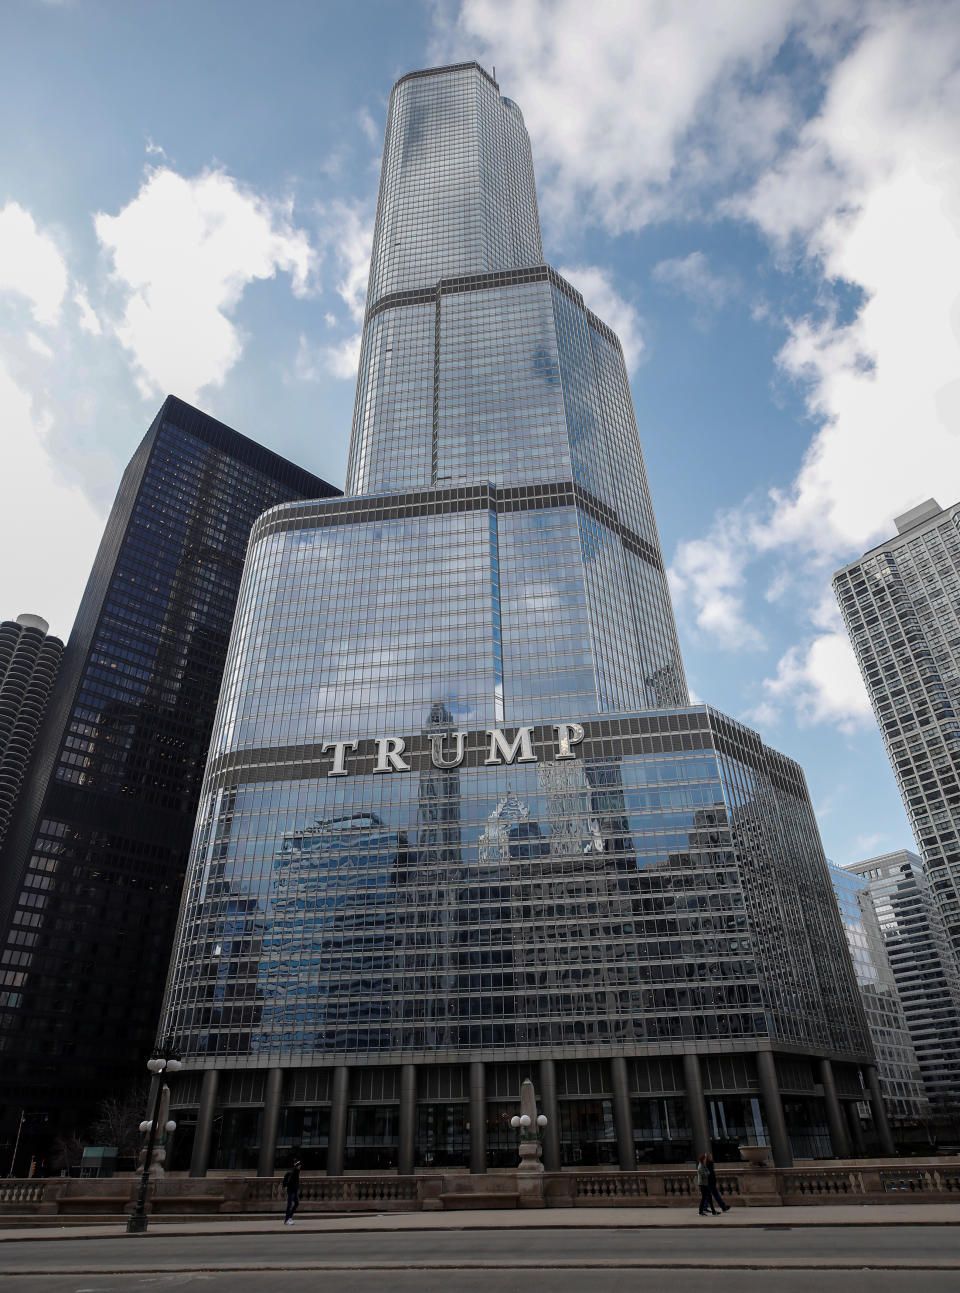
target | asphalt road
[
  {"x": 832, "y": 1259},
  {"x": 460, "y": 1281}
]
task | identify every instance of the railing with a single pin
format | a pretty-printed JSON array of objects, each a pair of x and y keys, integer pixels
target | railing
[
  {"x": 680, "y": 1187},
  {"x": 920, "y": 1181},
  {"x": 817, "y": 1183},
  {"x": 623, "y": 1185},
  {"x": 338, "y": 1189},
  {"x": 863, "y": 1182},
  {"x": 22, "y": 1191}
]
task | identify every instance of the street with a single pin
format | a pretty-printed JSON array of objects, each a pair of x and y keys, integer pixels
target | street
[{"x": 851, "y": 1258}]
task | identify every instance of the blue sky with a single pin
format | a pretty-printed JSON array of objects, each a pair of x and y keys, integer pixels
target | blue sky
[{"x": 762, "y": 197}]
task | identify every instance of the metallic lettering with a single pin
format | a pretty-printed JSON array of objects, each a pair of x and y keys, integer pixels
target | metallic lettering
[
  {"x": 340, "y": 748},
  {"x": 520, "y": 750},
  {"x": 389, "y": 749},
  {"x": 436, "y": 750},
  {"x": 569, "y": 734}
]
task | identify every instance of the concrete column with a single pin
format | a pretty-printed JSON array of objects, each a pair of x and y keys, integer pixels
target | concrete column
[
  {"x": 408, "y": 1119},
  {"x": 697, "y": 1105},
  {"x": 879, "y": 1111},
  {"x": 272, "y": 1104},
  {"x": 773, "y": 1108},
  {"x": 839, "y": 1141},
  {"x": 855, "y": 1130},
  {"x": 200, "y": 1158},
  {"x": 337, "y": 1140},
  {"x": 478, "y": 1118},
  {"x": 623, "y": 1114},
  {"x": 549, "y": 1106}
]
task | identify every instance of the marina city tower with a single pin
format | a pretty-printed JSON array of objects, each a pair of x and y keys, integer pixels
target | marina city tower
[{"x": 460, "y": 823}]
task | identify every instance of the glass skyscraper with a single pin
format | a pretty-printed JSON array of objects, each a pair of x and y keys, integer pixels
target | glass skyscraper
[
  {"x": 900, "y": 1078},
  {"x": 93, "y": 862},
  {"x": 460, "y": 823},
  {"x": 923, "y": 967}
]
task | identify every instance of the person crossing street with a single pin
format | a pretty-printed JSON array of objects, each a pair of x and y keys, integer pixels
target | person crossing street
[{"x": 291, "y": 1183}]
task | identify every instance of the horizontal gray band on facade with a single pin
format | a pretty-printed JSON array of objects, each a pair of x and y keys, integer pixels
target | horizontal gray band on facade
[
  {"x": 604, "y": 738},
  {"x": 704, "y": 1048},
  {"x": 486, "y": 282},
  {"x": 442, "y": 501}
]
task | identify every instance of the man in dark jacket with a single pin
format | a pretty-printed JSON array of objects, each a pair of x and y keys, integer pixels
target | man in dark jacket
[
  {"x": 712, "y": 1184},
  {"x": 291, "y": 1183}
]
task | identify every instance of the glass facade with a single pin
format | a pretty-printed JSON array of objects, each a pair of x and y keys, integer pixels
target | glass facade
[
  {"x": 897, "y": 1067},
  {"x": 460, "y": 822},
  {"x": 94, "y": 860}
]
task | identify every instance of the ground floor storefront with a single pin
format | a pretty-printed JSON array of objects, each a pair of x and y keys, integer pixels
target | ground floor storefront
[{"x": 621, "y": 1112}]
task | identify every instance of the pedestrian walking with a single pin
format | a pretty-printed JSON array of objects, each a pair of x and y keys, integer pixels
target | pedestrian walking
[
  {"x": 291, "y": 1183},
  {"x": 703, "y": 1181},
  {"x": 712, "y": 1184}
]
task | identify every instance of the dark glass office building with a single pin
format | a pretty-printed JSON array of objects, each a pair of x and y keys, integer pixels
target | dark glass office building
[
  {"x": 460, "y": 823},
  {"x": 94, "y": 859}
]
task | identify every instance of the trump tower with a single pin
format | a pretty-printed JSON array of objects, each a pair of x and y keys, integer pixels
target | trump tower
[{"x": 460, "y": 823}]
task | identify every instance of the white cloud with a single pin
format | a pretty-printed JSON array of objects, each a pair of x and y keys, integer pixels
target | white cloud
[
  {"x": 38, "y": 345},
  {"x": 183, "y": 251},
  {"x": 31, "y": 264},
  {"x": 87, "y": 318},
  {"x": 373, "y": 132},
  {"x": 604, "y": 300},
  {"x": 636, "y": 107},
  {"x": 822, "y": 682},
  {"x": 884, "y": 386},
  {"x": 708, "y": 575},
  {"x": 342, "y": 360},
  {"x": 347, "y": 230},
  {"x": 35, "y": 501},
  {"x": 692, "y": 277}
]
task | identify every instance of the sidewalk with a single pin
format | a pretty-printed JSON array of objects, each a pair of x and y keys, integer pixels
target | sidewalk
[{"x": 886, "y": 1215}]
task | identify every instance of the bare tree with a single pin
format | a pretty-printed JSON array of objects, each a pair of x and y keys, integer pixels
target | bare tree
[
  {"x": 118, "y": 1120},
  {"x": 65, "y": 1153}
]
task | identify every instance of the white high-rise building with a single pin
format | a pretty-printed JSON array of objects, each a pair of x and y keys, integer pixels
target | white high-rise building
[
  {"x": 901, "y": 605},
  {"x": 922, "y": 964}
]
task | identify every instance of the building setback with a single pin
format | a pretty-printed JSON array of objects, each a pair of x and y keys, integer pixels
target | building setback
[
  {"x": 901, "y": 1080},
  {"x": 923, "y": 966},
  {"x": 93, "y": 862},
  {"x": 460, "y": 823},
  {"x": 29, "y": 659},
  {"x": 901, "y": 605}
]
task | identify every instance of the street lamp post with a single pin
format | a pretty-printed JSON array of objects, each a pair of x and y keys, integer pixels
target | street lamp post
[
  {"x": 165, "y": 1060},
  {"x": 530, "y": 1126}
]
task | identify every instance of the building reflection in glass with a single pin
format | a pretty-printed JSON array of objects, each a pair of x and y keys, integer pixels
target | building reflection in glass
[{"x": 324, "y": 972}]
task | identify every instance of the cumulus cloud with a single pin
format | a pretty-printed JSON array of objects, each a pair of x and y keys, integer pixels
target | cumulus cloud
[
  {"x": 182, "y": 253},
  {"x": 708, "y": 576},
  {"x": 347, "y": 229},
  {"x": 50, "y": 581},
  {"x": 884, "y": 386},
  {"x": 692, "y": 277},
  {"x": 822, "y": 683},
  {"x": 600, "y": 296},
  {"x": 31, "y": 265},
  {"x": 636, "y": 108}
]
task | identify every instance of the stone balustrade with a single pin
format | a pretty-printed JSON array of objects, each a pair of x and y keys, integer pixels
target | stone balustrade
[{"x": 742, "y": 1185}]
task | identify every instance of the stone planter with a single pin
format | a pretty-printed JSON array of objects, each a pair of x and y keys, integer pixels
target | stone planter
[{"x": 755, "y": 1155}]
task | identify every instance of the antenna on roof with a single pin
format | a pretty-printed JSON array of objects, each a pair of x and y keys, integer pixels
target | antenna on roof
[{"x": 494, "y": 71}]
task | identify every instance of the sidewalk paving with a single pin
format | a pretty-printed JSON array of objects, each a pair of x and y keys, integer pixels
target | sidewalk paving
[{"x": 639, "y": 1218}]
